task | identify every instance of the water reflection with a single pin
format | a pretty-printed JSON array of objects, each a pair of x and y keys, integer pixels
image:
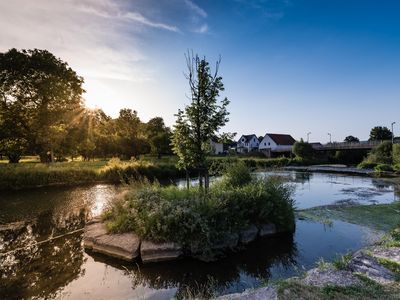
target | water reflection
[
  {"x": 34, "y": 255},
  {"x": 224, "y": 275},
  {"x": 41, "y": 258}
]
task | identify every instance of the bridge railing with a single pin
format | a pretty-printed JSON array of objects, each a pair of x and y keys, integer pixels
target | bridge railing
[{"x": 347, "y": 145}]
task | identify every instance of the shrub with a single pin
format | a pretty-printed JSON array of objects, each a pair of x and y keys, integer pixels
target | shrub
[
  {"x": 396, "y": 154},
  {"x": 384, "y": 168},
  {"x": 197, "y": 220},
  {"x": 366, "y": 165},
  {"x": 303, "y": 150},
  {"x": 236, "y": 175}
]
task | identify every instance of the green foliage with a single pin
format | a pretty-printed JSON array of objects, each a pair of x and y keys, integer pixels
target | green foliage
[
  {"x": 351, "y": 139},
  {"x": 381, "y": 154},
  {"x": 41, "y": 94},
  {"x": 396, "y": 154},
  {"x": 379, "y": 133},
  {"x": 202, "y": 119},
  {"x": 303, "y": 150},
  {"x": 72, "y": 173},
  {"x": 367, "y": 165},
  {"x": 237, "y": 175},
  {"x": 384, "y": 168},
  {"x": 196, "y": 219},
  {"x": 158, "y": 136}
]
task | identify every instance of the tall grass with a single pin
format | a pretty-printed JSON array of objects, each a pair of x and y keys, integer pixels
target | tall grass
[{"x": 17, "y": 176}]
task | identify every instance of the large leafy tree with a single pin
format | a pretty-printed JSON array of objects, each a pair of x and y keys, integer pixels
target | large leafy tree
[
  {"x": 351, "y": 139},
  {"x": 158, "y": 136},
  {"x": 379, "y": 133},
  {"x": 45, "y": 92},
  {"x": 202, "y": 119}
]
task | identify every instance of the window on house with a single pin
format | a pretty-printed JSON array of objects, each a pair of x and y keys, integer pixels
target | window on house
[{"x": 269, "y": 143}]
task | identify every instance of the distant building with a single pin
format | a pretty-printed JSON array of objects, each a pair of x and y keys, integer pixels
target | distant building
[
  {"x": 316, "y": 146},
  {"x": 247, "y": 143},
  {"x": 217, "y": 147},
  {"x": 273, "y": 143}
]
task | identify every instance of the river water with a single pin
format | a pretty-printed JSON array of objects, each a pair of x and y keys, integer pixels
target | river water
[{"x": 41, "y": 252}]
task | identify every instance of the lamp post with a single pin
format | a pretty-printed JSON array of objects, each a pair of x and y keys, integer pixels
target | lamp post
[
  {"x": 330, "y": 138},
  {"x": 393, "y": 132},
  {"x": 308, "y": 136}
]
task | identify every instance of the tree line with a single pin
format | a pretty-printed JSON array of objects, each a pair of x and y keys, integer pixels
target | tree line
[{"x": 42, "y": 113}]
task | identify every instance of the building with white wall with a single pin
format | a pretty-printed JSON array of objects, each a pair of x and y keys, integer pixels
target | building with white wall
[{"x": 276, "y": 143}]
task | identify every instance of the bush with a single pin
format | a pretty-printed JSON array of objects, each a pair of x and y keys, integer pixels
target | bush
[
  {"x": 384, "y": 168},
  {"x": 396, "y": 154},
  {"x": 381, "y": 154},
  {"x": 303, "y": 150},
  {"x": 366, "y": 165},
  {"x": 197, "y": 220}
]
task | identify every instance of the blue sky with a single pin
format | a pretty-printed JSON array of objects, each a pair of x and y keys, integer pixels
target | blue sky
[{"x": 289, "y": 66}]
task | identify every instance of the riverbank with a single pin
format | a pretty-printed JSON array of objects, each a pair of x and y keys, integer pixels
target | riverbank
[
  {"x": 369, "y": 273},
  {"x": 34, "y": 175}
]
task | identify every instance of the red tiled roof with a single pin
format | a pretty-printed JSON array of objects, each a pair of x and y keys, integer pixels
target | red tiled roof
[{"x": 282, "y": 139}]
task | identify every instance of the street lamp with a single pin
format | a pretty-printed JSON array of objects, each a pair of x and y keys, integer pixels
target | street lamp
[
  {"x": 393, "y": 132},
  {"x": 330, "y": 138},
  {"x": 308, "y": 136}
]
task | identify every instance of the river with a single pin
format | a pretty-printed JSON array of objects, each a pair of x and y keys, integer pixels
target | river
[{"x": 41, "y": 252}]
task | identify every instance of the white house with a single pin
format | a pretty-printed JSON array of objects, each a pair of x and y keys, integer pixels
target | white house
[
  {"x": 276, "y": 143},
  {"x": 247, "y": 143},
  {"x": 216, "y": 147}
]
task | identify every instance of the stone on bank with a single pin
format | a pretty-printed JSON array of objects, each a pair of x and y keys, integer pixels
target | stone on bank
[
  {"x": 123, "y": 246},
  {"x": 155, "y": 252}
]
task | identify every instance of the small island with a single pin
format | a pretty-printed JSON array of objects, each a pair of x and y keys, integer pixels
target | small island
[{"x": 153, "y": 223}]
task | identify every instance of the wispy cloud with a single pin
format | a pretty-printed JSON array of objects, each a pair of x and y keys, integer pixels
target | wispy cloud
[
  {"x": 197, "y": 9},
  {"x": 202, "y": 29}
]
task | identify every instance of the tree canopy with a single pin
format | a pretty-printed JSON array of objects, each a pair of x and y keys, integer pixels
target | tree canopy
[
  {"x": 42, "y": 112},
  {"x": 201, "y": 120},
  {"x": 351, "y": 139},
  {"x": 379, "y": 133}
]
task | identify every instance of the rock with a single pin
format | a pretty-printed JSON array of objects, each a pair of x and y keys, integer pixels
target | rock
[
  {"x": 322, "y": 277},
  {"x": 227, "y": 241},
  {"x": 154, "y": 252},
  {"x": 392, "y": 254},
  {"x": 267, "y": 229},
  {"x": 123, "y": 246},
  {"x": 370, "y": 267},
  {"x": 248, "y": 235},
  {"x": 266, "y": 293},
  {"x": 92, "y": 231}
]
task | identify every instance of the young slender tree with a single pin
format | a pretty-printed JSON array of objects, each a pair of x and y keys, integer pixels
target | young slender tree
[{"x": 202, "y": 119}]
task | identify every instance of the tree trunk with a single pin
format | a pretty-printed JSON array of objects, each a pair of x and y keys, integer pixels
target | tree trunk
[
  {"x": 187, "y": 179},
  {"x": 206, "y": 180},
  {"x": 14, "y": 158},
  {"x": 200, "y": 179}
]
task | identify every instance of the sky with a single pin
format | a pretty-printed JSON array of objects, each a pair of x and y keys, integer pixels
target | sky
[{"x": 289, "y": 66}]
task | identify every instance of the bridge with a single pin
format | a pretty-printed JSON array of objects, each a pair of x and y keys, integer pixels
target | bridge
[{"x": 362, "y": 145}]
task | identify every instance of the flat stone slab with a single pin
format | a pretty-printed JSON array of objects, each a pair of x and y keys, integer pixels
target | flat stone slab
[
  {"x": 392, "y": 253},
  {"x": 92, "y": 231},
  {"x": 155, "y": 252},
  {"x": 123, "y": 246},
  {"x": 370, "y": 267},
  {"x": 331, "y": 276},
  {"x": 266, "y": 293},
  {"x": 267, "y": 229},
  {"x": 248, "y": 235}
]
